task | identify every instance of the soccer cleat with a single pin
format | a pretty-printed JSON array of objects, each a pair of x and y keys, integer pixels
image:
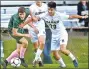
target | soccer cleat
[
  {"x": 62, "y": 66},
  {"x": 4, "y": 64},
  {"x": 40, "y": 64},
  {"x": 75, "y": 62},
  {"x": 23, "y": 62},
  {"x": 34, "y": 63}
]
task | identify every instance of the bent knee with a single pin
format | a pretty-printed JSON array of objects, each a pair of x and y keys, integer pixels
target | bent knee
[
  {"x": 25, "y": 44},
  {"x": 42, "y": 40},
  {"x": 41, "y": 43},
  {"x": 24, "y": 41},
  {"x": 54, "y": 53},
  {"x": 62, "y": 49}
]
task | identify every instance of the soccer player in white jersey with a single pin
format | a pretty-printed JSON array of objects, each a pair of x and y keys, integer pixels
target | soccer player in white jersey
[
  {"x": 59, "y": 41},
  {"x": 38, "y": 39}
]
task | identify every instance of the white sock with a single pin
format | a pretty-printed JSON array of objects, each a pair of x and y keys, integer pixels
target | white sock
[
  {"x": 38, "y": 53},
  {"x": 61, "y": 62},
  {"x": 40, "y": 59},
  {"x": 71, "y": 56}
]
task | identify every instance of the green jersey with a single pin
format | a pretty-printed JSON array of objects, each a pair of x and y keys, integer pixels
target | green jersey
[{"x": 15, "y": 21}]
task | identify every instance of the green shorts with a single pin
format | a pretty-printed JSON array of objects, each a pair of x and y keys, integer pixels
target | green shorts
[{"x": 17, "y": 38}]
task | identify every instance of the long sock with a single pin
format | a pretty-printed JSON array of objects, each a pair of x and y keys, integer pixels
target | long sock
[
  {"x": 13, "y": 54},
  {"x": 22, "y": 52},
  {"x": 61, "y": 62},
  {"x": 39, "y": 56},
  {"x": 40, "y": 59},
  {"x": 35, "y": 50},
  {"x": 72, "y": 56},
  {"x": 38, "y": 53}
]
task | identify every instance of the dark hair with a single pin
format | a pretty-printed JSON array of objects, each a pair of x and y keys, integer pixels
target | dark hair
[
  {"x": 21, "y": 10},
  {"x": 52, "y": 4}
]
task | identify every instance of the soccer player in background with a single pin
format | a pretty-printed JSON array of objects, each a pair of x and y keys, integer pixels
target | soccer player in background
[
  {"x": 83, "y": 9},
  {"x": 19, "y": 35},
  {"x": 59, "y": 40},
  {"x": 38, "y": 39}
]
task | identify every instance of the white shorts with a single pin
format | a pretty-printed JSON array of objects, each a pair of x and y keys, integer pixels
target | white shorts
[
  {"x": 57, "y": 41},
  {"x": 41, "y": 28}
]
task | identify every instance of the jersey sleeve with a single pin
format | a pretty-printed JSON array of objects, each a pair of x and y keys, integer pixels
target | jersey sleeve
[
  {"x": 41, "y": 16},
  {"x": 13, "y": 23},
  {"x": 32, "y": 9},
  {"x": 64, "y": 16}
]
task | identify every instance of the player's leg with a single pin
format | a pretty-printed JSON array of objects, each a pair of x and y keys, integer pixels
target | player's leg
[
  {"x": 68, "y": 53},
  {"x": 15, "y": 53},
  {"x": 34, "y": 40},
  {"x": 35, "y": 46},
  {"x": 59, "y": 59},
  {"x": 41, "y": 47},
  {"x": 23, "y": 48},
  {"x": 63, "y": 44},
  {"x": 41, "y": 42},
  {"x": 55, "y": 47}
]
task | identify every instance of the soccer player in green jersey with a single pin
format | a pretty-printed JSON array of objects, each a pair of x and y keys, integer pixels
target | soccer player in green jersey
[{"x": 19, "y": 35}]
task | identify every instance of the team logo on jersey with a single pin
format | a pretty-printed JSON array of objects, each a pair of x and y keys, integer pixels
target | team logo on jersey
[
  {"x": 37, "y": 13},
  {"x": 52, "y": 21},
  {"x": 62, "y": 40}
]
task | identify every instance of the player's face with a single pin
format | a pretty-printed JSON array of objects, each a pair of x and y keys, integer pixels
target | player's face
[
  {"x": 51, "y": 11},
  {"x": 22, "y": 15},
  {"x": 38, "y": 3},
  {"x": 83, "y": 1}
]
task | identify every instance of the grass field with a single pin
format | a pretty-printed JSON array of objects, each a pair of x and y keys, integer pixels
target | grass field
[
  {"x": 54, "y": 66},
  {"x": 78, "y": 45}
]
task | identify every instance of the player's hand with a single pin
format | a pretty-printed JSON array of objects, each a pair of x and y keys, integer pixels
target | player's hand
[
  {"x": 84, "y": 17},
  {"x": 35, "y": 19},
  {"x": 28, "y": 35},
  {"x": 21, "y": 25}
]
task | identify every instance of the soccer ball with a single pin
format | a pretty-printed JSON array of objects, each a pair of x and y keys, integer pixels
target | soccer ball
[{"x": 15, "y": 62}]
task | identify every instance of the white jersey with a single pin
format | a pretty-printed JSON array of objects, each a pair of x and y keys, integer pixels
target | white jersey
[
  {"x": 55, "y": 23},
  {"x": 36, "y": 10},
  {"x": 40, "y": 25}
]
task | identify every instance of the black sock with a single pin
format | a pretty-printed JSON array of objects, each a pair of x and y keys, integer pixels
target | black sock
[{"x": 6, "y": 62}]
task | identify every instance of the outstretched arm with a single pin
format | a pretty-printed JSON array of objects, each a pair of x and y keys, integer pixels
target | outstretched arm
[{"x": 78, "y": 16}]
